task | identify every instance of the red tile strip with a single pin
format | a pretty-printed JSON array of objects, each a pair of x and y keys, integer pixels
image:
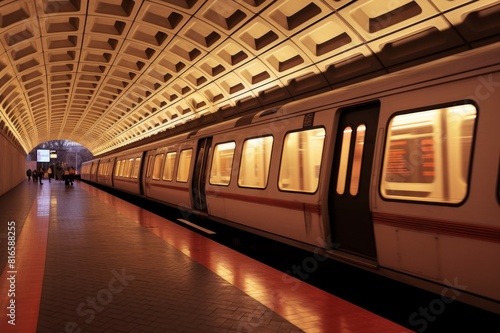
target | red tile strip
[{"x": 31, "y": 248}]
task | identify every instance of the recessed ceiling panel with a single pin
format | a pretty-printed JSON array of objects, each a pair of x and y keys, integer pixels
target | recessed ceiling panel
[{"x": 107, "y": 73}]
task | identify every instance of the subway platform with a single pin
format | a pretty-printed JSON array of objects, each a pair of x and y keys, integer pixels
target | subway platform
[{"x": 86, "y": 261}]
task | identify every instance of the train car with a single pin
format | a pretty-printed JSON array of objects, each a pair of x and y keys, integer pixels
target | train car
[
  {"x": 104, "y": 171},
  {"x": 167, "y": 171},
  {"x": 398, "y": 174},
  {"x": 126, "y": 172},
  {"x": 88, "y": 170},
  {"x": 85, "y": 170}
]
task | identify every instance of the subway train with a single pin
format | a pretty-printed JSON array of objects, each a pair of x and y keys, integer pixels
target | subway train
[{"x": 398, "y": 174}]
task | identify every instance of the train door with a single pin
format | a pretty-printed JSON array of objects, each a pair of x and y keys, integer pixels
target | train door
[
  {"x": 146, "y": 172},
  {"x": 200, "y": 175},
  {"x": 350, "y": 216},
  {"x": 142, "y": 166}
]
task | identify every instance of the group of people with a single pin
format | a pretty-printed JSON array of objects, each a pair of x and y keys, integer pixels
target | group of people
[{"x": 38, "y": 175}]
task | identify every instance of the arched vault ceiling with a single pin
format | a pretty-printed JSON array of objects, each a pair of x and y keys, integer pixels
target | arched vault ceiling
[{"x": 106, "y": 73}]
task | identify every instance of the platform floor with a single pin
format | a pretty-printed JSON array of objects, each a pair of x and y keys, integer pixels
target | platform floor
[{"x": 86, "y": 261}]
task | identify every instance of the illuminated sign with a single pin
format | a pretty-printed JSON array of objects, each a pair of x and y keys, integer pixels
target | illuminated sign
[{"x": 43, "y": 155}]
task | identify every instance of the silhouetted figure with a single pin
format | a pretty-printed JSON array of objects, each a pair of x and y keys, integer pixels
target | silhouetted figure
[
  {"x": 50, "y": 174},
  {"x": 40, "y": 175},
  {"x": 66, "y": 176},
  {"x": 28, "y": 173},
  {"x": 71, "y": 175}
]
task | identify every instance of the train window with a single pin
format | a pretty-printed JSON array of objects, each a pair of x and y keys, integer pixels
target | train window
[
  {"x": 358, "y": 157},
  {"x": 100, "y": 169},
  {"x": 428, "y": 153},
  {"x": 301, "y": 160},
  {"x": 184, "y": 164},
  {"x": 222, "y": 162},
  {"x": 117, "y": 170},
  {"x": 344, "y": 156},
  {"x": 157, "y": 166},
  {"x": 128, "y": 167},
  {"x": 122, "y": 166},
  {"x": 107, "y": 168},
  {"x": 168, "y": 169},
  {"x": 94, "y": 168},
  {"x": 255, "y": 162},
  {"x": 150, "y": 166},
  {"x": 136, "y": 167},
  {"x": 125, "y": 164}
]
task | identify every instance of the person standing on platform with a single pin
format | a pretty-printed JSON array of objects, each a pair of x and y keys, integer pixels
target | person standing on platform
[
  {"x": 28, "y": 173},
  {"x": 49, "y": 171},
  {"x": 35, "y": 175},
  {"x": 71, "y": 175},
  {"x": 40, "y": 175},
  {"x": 66, "y": 177}
]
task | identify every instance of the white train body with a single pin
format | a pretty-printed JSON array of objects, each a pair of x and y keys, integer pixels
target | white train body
[{"x": 399, "y": 174}]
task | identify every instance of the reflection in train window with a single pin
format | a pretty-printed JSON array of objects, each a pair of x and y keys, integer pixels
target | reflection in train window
[
  {"x": 104, "y": 168},
  {"x": 255, "y": 161},
  {"x": 122, "y": 168},
  {"x": 222, "y": 162},
  {"x": 93, "y": 168},
  {"x": 301, "y": 160},
  {"x": 157, "y": 166},
  {"x": 344, "y": 156},
  {"x": 118, "y": 168},
  {"x": 184, "y": 163},
  {"x": 108, "y": 168},
  {"x": 101, "y": 170},
  {"x": 128, "y": 167},
  {"x": 168, "y": 169},
  {"x": 358, "y": 158},
  {"x": 136, "y": 167},
  {"x": 150, "y": 167},
  {"x": 85, "y": 169},
  {"x": 428, "y": 154}
]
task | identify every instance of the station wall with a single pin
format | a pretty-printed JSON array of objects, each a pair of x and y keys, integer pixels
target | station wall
[{"x": 12, "y": 165}]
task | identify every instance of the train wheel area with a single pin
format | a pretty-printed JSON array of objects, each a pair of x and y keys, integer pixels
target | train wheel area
[{"x": 413, "y": 308}]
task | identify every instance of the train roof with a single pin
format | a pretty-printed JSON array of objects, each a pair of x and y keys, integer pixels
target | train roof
[{"x": 455, "y": 65}]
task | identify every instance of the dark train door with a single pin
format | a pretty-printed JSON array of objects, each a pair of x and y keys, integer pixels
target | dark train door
[
  {"x": 350, "y": 216},
  {"x": 141, "y": 173},
  {"x": 200, "y": 175}
]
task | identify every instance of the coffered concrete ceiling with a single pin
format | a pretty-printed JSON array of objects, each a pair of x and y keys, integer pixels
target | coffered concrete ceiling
[{"x": 106, "y": 73}]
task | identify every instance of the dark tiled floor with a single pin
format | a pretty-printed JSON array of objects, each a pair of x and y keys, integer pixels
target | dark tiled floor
[
  {"x": 110, "y": 266},
  {"x": 15, "y": 206}
]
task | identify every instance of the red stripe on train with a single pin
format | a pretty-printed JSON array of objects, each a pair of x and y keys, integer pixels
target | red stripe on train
[
  {"x": 184, "y": 189},
  {"x": 295, "y": 205},
  {"x": 459, "y": 229}
]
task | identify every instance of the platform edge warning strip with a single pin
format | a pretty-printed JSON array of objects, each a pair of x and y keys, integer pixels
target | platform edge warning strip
[{"x": 27, "y": 273}]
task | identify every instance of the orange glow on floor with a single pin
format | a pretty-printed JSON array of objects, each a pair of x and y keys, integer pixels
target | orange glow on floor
[
  {"x": 305, "y": 306},
  {"x": 31, "y": 248}
]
